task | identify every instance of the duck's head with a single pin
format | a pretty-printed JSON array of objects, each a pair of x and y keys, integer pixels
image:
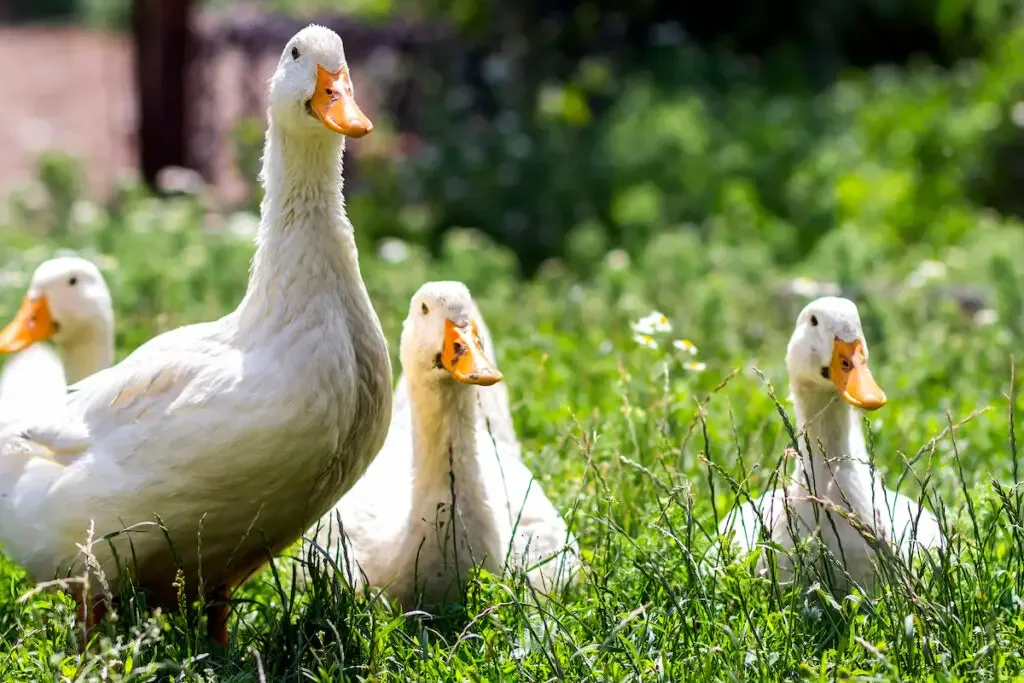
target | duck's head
[
  {"x": 828, "y": 351},
  {"x": 312, "y": 87},
  {"x": 67, "y": 300},
  {"x": 441, "y": 337}
]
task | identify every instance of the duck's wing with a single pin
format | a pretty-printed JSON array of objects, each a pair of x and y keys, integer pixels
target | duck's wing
[
  {"x": 745, "y": 524},
  {"x": 110, "y": 450},
  {"x": 541, "y": 542},
  {"x": 126, "y": 415},
  {"x": 361, "y": 533},
  {"x": 496, "y": 415},
  {"x": 907, "y": 524}
]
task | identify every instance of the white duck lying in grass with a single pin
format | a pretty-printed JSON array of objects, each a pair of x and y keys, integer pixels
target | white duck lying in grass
[
  {"x": 833, "y": 483},
  {"x": 448, "y": 491},
  {"x": 67, "y": 303},
  {"x": 239, "y": 433}
]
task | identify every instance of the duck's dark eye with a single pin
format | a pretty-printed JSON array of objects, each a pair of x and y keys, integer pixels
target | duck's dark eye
[
  {"x": 72, "y": 280},
  {"x": 825, "y": 373},
  {"x": 437, "y": 361},
  {"x": 423, "y": 307},
  {"x": 814, "y": 321},
  {"x": 295, "y": 53}
]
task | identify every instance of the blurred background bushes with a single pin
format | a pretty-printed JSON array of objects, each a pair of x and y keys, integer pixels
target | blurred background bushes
[{"x": 578, "y": 127}]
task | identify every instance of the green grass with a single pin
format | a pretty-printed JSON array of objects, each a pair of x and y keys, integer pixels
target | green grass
[{"x": 642, "y": 456}]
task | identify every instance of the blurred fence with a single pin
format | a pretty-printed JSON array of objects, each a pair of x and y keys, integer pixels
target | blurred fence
[{"x": 225, "y": 64}]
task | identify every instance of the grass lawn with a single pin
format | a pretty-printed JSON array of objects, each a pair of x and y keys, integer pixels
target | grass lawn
[{"x": 641, "y": 452}]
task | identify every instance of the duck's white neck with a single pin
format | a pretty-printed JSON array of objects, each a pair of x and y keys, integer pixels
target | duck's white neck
[
  {"x": 444, "y": 439},
  {"x": 88, "y": 353},
  {"x": 305, "y": 247},
  {"x": 837, "y": 455}
]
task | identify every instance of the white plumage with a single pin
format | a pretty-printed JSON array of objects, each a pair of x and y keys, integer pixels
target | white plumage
[
  {"x": 833, "y": 490},
  {"x": 238, "y": 433},
  {"x": 450, "y": 433}
]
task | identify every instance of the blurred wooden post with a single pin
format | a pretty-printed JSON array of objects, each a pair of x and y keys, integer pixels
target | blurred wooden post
[{"x": 162, "y": 38}]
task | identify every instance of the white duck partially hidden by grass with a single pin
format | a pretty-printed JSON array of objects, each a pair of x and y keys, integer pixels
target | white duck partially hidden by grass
[
  {"x": 448, "y": 491},
  {"x": 67, "y": 303},
  {"x": 239, "y": 433},
  {"x": 834, "y": 489}
]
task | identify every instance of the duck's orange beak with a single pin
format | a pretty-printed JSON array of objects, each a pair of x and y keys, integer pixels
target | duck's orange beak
[
  {"x": 849, "y": 372},
  {"x": 464, "y": 356},
  {"x": 31, "y": 324},
  {"x": 335, "y": 105}
]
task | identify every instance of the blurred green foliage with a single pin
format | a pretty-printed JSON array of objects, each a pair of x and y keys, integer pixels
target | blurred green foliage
[
  {"x": 548, "y": 156},
  {"x": 907, "y": 155},
  {"x": 561, "y": 130}
]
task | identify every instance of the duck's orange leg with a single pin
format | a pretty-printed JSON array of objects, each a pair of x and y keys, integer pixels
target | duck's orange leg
[{"x": 217, "y": 616}]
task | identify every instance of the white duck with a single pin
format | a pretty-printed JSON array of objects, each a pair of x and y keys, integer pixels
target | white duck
[
  {"x": 68, "y": 303},
  {"x": 829, "y": 381},
  {"x": 238, "y": 433},
  {"x": 448, "y": 491}
]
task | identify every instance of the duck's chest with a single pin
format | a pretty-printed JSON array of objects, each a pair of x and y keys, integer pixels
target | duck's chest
[{"x": 321, "y": 383}]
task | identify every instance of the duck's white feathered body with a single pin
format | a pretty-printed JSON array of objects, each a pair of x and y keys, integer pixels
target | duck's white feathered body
[
  {"x": 449, "y": 441},
  {"x": 834, "y": 495},
  {"x": 237, "y": 433}
]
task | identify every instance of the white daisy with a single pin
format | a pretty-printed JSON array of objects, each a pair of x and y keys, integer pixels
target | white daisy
[
  {"x": 392, "y": 250},
  {"x": 685, "y": 346},
  {"x": 645, "y": 340},
  {"x": 925, "y": 272},
  {"x": 985, "y": 317},
  {"x": 695, "y": 366},
  {"x": 652, "y": 323},
  {"x": 806, "y": 287}
]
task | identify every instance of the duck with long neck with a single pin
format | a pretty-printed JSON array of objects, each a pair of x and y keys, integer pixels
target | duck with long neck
[
  {"x": 833, "y": 494},
  {"x": 458, "y": 494},
  {"x": 68, "y": 304},
  {"x": 239, "y": 433},
  {"x": 456, "y": 523}
]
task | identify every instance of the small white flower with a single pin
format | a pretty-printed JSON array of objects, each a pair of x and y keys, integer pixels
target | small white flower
[
  {"x": 925, "y": 272},
  {"x": 13, "y": 278},
  {"x": 652, "y": 323},
  {"x": 243, "y": 224},
  {"x": 393, "y": 250},
  {"x": 1017, "y": 114},
  {"x": 985, "y": 317},
  {"x": 645, "y": 340},
  {"x": 695, "y": 366},
  {"x": 807, "y": 287},
  {"x": 105, "y": 262},
  {"x": 685, "y": 346},
  {"x": 84, "y": 212}
]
